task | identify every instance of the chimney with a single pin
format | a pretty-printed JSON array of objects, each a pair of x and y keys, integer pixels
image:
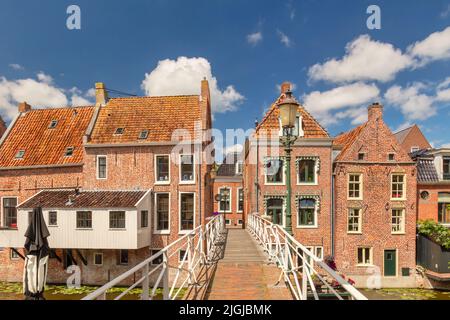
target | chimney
[
  {"x": 24, "y": 107},
  {"x": 206, "y": 96},
  {"x": 285, "y": 87},
  {"x": 375, "y": 112},
  {"x": 101, "y": 96}
]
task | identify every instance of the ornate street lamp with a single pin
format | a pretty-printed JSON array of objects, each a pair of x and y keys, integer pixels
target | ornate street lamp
[{"x": 288, "y": 114}]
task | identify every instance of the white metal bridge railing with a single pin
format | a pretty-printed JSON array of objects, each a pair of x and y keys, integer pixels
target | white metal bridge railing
[
  {"x": 304, "y": 273},
  {"x": 201, "y": 247}
]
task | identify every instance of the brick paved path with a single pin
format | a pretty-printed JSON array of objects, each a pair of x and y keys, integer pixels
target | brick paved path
[{"x": 244, "y": 272}]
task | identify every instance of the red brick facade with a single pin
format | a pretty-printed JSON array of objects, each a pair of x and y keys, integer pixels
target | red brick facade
[
  {"x": 373, "y": 153},
  {"x": 234, "y": 218}
]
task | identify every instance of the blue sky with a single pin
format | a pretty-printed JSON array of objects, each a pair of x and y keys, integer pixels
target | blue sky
[{"x": 248, "y": 47}]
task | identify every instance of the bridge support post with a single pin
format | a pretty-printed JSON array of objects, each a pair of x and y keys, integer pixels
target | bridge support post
[
  {"x": 145, "y": 284},
  {"x": 166, "y": 288}
]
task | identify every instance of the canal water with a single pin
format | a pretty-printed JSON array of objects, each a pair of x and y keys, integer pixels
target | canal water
[{"x": 12, "y": 291}]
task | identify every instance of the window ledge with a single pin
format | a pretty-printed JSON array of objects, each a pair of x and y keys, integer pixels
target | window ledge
[
  {"x": 84, "y": 229},
  {"x": 162, "y": 183},
  {"x": 118, "y": 229},
  {"x": 274, "y": 184},
  {"x": 355, "y": 199},
  {"x": 307, "y": 227},
  {"x": 398, "y": 233},
  {"x": 187, "y": 182},
  {"x": 162, "y": 232},
  {"x": 8, "y": 229},
  {"x": 365, "y": 265},
  {"x": 307, "y": 184},
  {"x": 354, "y": 232},
  {"x": 398, "y": 199}
]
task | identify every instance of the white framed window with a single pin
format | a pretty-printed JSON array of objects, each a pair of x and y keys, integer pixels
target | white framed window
[
  {"x": 186, "y": 212},
  {"x": 307, "y": 213},
  {"x": 162, "y": 213},
  {"x": 227, "y": 222},
  {"x": 415, "y": 149},
  {"x": 240, "y": 200},
  {"x": 13, "y": 255},
  {"x": 391, "y": 156},
  {"x": 187, "y": 169},
  {"x": 225, "y": 199},
  {"x": 364, "y": 256},
  {"x": 318, "y": 251},
  {"x": 98, "y": 259},
  {"x": 398, "y": 221},
  {"x": 117, "y": 220},
  {"x": 240, "y": 222},
  {"x": 354, "y": 220},
  {"x": 102, "y": 167},
  {"x": 144, "y": 218},
  {"x": 9, "y": 211},
  {"x": 355, "y": 186},
  {"x": 307, "y": 170},
  {"x": 84, "y": 219},
  {"x": 52, "y": 218},
  {"x": 274, "y": 171},
  {"x": 398, "y": 186},
  {"x": 162, "y": 169}
]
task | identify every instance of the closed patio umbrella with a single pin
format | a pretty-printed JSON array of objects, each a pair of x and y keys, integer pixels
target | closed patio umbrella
[{"x": 36, "y": 260}]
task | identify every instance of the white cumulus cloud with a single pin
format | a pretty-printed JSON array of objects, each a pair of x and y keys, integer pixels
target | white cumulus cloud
[
  {"x": 412, "y": 102},
  {"x": 435, "y": 47},
  {"x": 284, "y": 39},
  {"x": 254, "y": 38},
  {"x": 183, "y": 75},
  {"x": 16, "y": 66},
  {"x": 365, "y": 59},
  {"x": 348, "y": 100}
]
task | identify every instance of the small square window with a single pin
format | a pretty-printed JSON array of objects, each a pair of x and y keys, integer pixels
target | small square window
[
  {"x": 182, "y": 255},
  {"x": 361, "y": 156},
  {"x": 143, "y": 134},
  {"x": 119, "y": 131},
  {"x": 52, "y": 218},
  {"x": 391, "y": 156},
  {"x": 14, "y": 255},
  {"x": 228, "y": 222},
  {"x": 69, "y": 152},
  {"x": 98, "y": 259},
  {"x": 53, "y": 124},
  {"x": 20, "y": 154},
  {"x": 240, "y": 222}
]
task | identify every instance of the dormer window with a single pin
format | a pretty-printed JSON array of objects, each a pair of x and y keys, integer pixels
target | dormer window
[
  {"x": 20, "y": 154},
  {"x": 53, "y": 124},
  {"x": 119, "y": 131},
  {"x": 69, "y": 152},
  {"x": 143, "y": 135},
  {"x": 361, "y": 156},
  {"x": 391, "y": 156}
]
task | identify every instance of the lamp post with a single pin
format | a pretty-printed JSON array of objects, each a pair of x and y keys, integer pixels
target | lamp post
[{"x": 288, "y": 113}]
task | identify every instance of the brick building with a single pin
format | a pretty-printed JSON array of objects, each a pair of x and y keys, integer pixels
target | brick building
[
  {"x": 412, "y": 139},
  {"x": 265, "y": 182},
  {"x": 433, "y": 184},
  {"x": 152, "y": 146},
  {"x": 228, "y": 184},
  {"x": 375, "y": 205}
]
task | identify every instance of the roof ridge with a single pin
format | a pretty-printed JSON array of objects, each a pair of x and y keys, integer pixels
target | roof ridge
[
  {"x": 166, "y": 96},
  {"x": 408, "y": 128}
]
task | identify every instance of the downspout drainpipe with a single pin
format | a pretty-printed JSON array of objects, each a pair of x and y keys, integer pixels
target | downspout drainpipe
[{"x": 257, "y": 175}]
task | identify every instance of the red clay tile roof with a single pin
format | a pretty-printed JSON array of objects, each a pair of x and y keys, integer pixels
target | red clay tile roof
[
  {"x": 159, "y": 115},
  {"x": 59, "y": 199},
  {"x": 311, "y": 127},
  {"x": 346, "y": 139},
  {"x": 44, "y": 146}
]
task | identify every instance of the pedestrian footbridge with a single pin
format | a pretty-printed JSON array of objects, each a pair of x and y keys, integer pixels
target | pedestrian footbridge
[{"x": 262, "y": 262}]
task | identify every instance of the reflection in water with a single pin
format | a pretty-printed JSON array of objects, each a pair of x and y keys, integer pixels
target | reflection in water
[{"x": 406, "y": 294}]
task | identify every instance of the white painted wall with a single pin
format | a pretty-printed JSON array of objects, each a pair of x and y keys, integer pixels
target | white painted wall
[{"x": 66, "y": 235}]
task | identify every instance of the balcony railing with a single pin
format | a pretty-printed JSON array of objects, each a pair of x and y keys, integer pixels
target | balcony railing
[
  {"x": 302, "y": 271},
  {"x": 202, "y": 246}
]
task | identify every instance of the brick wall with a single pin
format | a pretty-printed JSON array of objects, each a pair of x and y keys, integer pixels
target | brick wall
[
  {"x": 376, "y": 141},
  {"x": 233, "y": 214},
  {"x": 428, "y": 208},
  {"x": 255, "y": 194}
]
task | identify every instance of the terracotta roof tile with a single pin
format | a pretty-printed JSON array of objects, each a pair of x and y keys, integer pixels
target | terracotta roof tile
[
  {"x": 270, "y": 123},
  {"x": 44, "y": 146},
  {"x": 346, "y": 139},
  {"x": 161, "y": 116},
  {"x": 59, "y": 199}
]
